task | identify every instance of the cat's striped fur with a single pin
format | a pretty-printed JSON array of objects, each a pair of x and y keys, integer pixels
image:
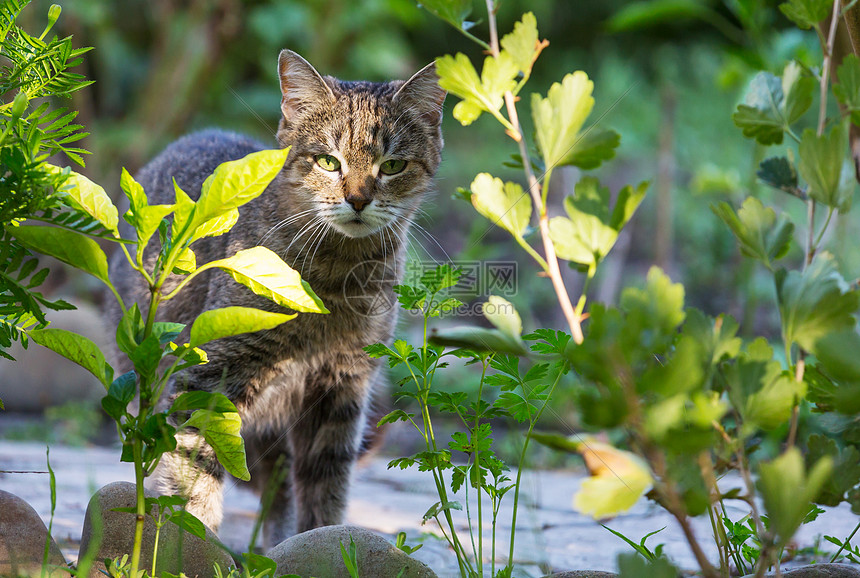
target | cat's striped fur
[{"x": 303, "y": 388}]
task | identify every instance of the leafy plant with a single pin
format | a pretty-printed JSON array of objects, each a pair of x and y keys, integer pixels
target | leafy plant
[
  {"x": 148, "y": 434},
  {"x": 685, "y": 393},
  {"x": 31, "y": 130}
]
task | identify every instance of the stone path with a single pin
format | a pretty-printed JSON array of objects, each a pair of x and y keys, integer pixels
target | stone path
[{"x": 550, "y": 535}]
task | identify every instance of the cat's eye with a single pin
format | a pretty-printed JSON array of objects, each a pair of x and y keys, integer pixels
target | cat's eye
[
  {"x": 327, "y": 162},
  {"x": 392, "y": 166}
]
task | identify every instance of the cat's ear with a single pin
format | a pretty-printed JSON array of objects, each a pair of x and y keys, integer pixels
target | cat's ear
[
  {"x": 301, "y": 84},
  {"x": 423, "y": 93}
]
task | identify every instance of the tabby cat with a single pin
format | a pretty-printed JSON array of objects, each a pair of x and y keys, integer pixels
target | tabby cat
[{"x": 363, "y": 156}]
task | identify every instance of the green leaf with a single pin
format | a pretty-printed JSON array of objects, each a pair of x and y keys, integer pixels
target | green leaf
[
  {"x": 590, "y": 232},
  {"x": 760, "y": 390},
  {"x": 129, "y": 330},
  {"x": 759, "y": 233},
  {"x": 191, "y": 400},
  {"x": 133, "y": 191},
  {"x": 558, "y": 442},
  {"x": 233, "y": 184},
  {"x": 847, "y": 89},
  {"x": 649, "y": 13},
  {"x": 77, "y": 348},
  {"x": 395, "y": 416},
  {"x": 523, "y": 44},
  {"x": 837, "y": 352},
  {"x": 825, "y": 165},
  {"x": 479, "y": 339},
  {"x": 788, "y": 490},
  {"x": 815, "y": 302},
  {"x": 458, "y": 76},
  {"x": 503, "y": 315},
  {"x": 560, "y": 115},
  {"x": 120, "y": 393},
  {"x": 69, "y": 247},
  {"x": 217, "y": 226},
  {"x": 221, "y": 431},
  {"x": 90, "y": 198},
  {"x": 717, "y": 337},
  {"x": 779, "y": 173},
  {"x": 505, "y": 204},
  {"x": 591, "y": 148},
  {"x": 146, "y": 221},
  {"x": 806, "y": 13},
  {"x": 218, "y": 323},
  {"x": 633, "y": 565},
  {"x": 188, "y": 523},
  {"x": 846, "y": 468},
  {"x": 772, "y": 104},
  {"x": 262, "y": 271},
  {"x": 454, "y": 12},
  {"x": 186, "y": 263},
  {"x": 655, "y": 312}
]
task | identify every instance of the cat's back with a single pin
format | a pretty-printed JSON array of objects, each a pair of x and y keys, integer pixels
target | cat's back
[{"x": 190, "y": 160}]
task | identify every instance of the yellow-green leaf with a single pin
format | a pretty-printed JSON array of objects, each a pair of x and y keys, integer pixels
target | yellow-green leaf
[
  {"x": 90, "y": 198},
  {"x": 618, "y": 479},
  {"x": 505, "y": 204},
  {"x": 503, "y": 315},
  {"x": 69, "y": 247},
  {"x": 77, "y": 348},
  {"x": 262, "y": 271},
  {"x": 186, "y": 263},
  {"x": 522, "y": 44},
  {"x": 235, "y": 183},
  {"x": 218, "y": 323},
  {"x": 221, "y": 431},
  {"x": 560, "y": 115}
]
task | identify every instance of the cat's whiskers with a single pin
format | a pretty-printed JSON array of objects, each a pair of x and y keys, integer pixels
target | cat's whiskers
[
  {"x": 323, "y": 232},
  {"x": 426, "y": 234},
  {"x": 300, "y": 234},
  {"x": 280, "y": 225}
]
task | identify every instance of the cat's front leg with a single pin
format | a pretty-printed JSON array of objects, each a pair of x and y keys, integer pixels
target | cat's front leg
[
  {"x": 325, "y": 443},
  {"x": 192, "y": 471}
]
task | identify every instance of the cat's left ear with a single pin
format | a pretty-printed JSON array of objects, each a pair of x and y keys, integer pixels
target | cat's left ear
[{"x": 423, "y": 93}]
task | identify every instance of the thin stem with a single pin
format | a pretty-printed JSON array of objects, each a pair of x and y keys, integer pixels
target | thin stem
[
  {"x": 846, "y": 543},
  {"x": 825, "y": 68},
  {"x": 141, "y": 506},
  {"x": 521, "y": 465},
  {"x": 535, "y": 255},
  {"x": 830, "y": 212},
  {"x": 480, "y": 559},
  {"x": 573, "y": 320}
]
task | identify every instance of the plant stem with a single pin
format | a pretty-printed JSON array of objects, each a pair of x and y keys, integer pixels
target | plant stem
[
  {"x": 825, "y": 67},
  {"x": 845, "y": 543},
  {"x": 141, "y": 506},
  {"x": 480, "y": 559},
  {"x": 553, "y": 270},
  {"x": 521, "y": 464}
]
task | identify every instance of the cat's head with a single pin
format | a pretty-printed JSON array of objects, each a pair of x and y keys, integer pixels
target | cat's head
[{"x": 363, "y": 154}]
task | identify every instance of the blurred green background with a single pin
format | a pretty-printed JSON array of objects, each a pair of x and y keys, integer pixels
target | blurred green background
[{"x": 668, "y": 75}]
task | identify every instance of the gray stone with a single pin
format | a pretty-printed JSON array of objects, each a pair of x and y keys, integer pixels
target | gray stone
[
  {"x": 22, "y": 540},
  {"x": 821, "y": 571},
  {"x": 583, "y": 574},
  {"x": 113, "y": 534},
  {"x": 40, "y": 378},
  {"x": 317, "y": 553}
]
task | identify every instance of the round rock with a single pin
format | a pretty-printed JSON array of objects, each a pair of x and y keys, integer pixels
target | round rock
[
  {"x": 821, "y": 571},
  {"x": 113, "y": 534},
  {"x": 317, "y": 553},
  {"x": 22, "y": 541}
]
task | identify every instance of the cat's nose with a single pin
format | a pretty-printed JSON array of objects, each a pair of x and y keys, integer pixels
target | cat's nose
[{"x": 358, "y": 202}]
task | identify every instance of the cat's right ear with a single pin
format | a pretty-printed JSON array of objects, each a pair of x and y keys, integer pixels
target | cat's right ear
[{"x": 301, "y": 84}]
